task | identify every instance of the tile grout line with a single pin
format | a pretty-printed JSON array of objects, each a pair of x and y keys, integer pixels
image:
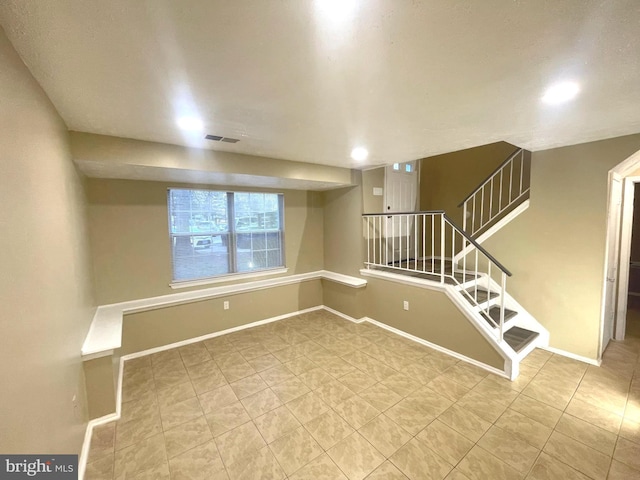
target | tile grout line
[
  {"x": 554, "y": 428},
  {"x": 404, "y": 396}
]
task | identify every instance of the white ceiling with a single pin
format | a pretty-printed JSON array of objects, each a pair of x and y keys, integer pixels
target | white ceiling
[{"x": 407, "y": 79}]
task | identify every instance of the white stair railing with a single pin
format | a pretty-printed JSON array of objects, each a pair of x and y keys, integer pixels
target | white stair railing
[
  {"x": 502, "y": 189},
  {"x": 423, "y": 244}
]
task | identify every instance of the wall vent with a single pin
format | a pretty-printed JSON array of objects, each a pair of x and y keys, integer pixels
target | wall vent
[{"x": 217, "y": 138}]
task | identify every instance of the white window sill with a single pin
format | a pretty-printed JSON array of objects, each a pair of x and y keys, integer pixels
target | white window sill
[{"x": 228, "y": 278}]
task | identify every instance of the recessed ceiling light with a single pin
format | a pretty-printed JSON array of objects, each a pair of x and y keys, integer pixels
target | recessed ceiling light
[
  {"x": 359, "y": 154},
  {"x": 561, "y": 93},
  {"x": 190, "y": 124}
]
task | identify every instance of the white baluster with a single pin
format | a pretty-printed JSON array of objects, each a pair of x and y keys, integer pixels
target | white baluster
[{"x": 442, "y": 247}]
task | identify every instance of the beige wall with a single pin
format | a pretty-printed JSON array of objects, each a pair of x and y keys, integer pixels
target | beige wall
[
  {"x": 556, "y": 248},
  {"x": 130, "y": 239},
  {"x": 431, "y": 316},
  {"x": 343, "y": 232},
  {"x": 345, "y": 299},
  {"x": 373, "y": 179},
  {"x": 100, "y": 386},
  {"x": 445, "y": 180},
  {"x": 155, "y": 328},
  {"x": 46, "y": 282}
]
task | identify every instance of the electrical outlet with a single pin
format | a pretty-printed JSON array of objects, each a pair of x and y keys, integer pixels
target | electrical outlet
[
  {"x": 405, "y": 305},
  {"x": 225, "y": 305}
]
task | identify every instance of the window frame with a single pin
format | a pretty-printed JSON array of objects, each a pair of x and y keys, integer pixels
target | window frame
[{"x": 232, "y": 238}]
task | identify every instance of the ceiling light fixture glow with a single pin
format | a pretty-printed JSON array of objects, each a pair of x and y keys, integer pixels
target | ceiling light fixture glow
[
  {"x": 561, "y": 93},
  {"x": 190, "y": 124},
  {"x": 336, "y": 10},
  {"x": 359, "y": 154}
]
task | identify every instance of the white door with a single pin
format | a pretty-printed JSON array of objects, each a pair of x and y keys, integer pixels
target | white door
[
  {"x": 401, "y": 193},
  {"x": 613, "y": 250}
]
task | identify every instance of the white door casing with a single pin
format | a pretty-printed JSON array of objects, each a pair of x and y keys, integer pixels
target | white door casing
[
  {"x": 612, "y": 259},
  {"x": 626, "y": 233},
  {"x": 625, "y": 169}
]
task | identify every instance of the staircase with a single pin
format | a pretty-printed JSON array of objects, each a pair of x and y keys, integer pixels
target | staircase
[
  {"x": 430, "y": 247},
  {"x": 499, "y": 198}
]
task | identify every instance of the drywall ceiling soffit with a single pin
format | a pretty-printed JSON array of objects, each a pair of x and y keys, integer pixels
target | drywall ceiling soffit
[
  {"x": 295, "y": 80},
  {"x": 102, "y": 156},
  {"x": 178, "y": 175}
]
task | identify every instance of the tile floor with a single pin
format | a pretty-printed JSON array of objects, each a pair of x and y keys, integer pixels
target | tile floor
[{"x": 317, "y": 397}]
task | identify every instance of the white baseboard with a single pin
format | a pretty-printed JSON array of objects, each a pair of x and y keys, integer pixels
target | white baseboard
[
  {"x": 438, "y": 348},
  {"x": 208, "y": 336},
  {"x": 580, "y": 358},
  {"x": 82, "y": 462},
  {"x": 343, "y": 315},
  {"x": 86, "y": 444},
  {"x": 105, "y": 332}
]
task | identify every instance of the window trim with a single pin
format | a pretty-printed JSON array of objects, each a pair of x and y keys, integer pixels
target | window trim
[
  {"x": 228, "y": 277},
  {"x": 232, "y": 239}
]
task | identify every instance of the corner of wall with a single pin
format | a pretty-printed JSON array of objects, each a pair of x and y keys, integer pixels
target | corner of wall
[{"x": 343, "y": 239}]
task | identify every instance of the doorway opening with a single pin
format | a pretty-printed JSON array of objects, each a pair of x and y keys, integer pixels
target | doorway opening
[{"x": 618, "y": 266}]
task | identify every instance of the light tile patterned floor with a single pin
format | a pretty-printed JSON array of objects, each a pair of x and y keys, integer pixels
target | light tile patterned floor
[{"x": 317, "y": 397}]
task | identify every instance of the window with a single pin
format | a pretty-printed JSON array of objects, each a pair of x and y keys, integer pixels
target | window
[{"x": 218, "y": 233}]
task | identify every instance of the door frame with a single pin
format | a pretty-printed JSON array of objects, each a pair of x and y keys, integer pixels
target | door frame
[
  {"x": 613, "y": 232},
  {"x": 625, "y": 256},
  {"x": 623, "y": 170}
]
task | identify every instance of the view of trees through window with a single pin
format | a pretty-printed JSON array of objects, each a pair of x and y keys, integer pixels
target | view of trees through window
[{"x": 215, "y": 233}]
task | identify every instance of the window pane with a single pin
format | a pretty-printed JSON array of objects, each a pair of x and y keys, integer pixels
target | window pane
[
  {"x": 256, "y": 211},
  {"x": 273, "y": 240},
  {"x": 200, "y": 256},
  {"x": 257, "y": 226},
  {"x": 201, "y": 232},
  {"x": 197, "y": 211}
]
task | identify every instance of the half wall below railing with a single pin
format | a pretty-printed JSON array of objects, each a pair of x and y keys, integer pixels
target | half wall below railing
[{"x": 423, "y": 244}]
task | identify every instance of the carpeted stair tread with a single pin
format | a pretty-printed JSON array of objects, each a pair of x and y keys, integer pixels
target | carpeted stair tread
[
  {"x": 483, "y": 294},
  {"x": 493, "y": 318},
  {"x": 518, "y": 338}
]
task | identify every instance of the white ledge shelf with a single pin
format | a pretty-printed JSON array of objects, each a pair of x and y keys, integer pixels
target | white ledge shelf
[{"x": 105, "y": 333}]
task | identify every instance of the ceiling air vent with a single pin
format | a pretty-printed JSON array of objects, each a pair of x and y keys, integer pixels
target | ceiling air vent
[{"x": 218, "y": 138}]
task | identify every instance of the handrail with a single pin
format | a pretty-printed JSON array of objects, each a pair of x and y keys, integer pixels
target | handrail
[
  {"x": 478, "y": 246},
  {"x": 423, "y": 212},
  {"x": 418, "y": 242},
  {"x": 488, "y": 177},
  {"x": 453, "y": 224}
]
